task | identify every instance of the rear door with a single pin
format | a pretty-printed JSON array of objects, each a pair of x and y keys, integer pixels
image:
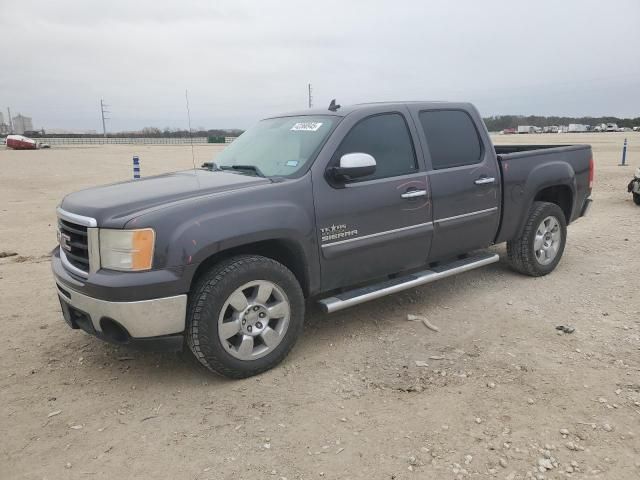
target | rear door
[
  {"x": 380, "y": 224},
  {"x": 464, "y": 179}
]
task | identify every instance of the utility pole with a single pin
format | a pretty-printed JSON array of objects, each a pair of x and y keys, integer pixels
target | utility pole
[
  {"x": 103, "y": 111},
  {"x": 310, "y": 97},
  {"x": 10, "y": 120}
]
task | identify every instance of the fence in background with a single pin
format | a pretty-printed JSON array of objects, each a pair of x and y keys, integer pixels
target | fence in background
[{"x": 121, "y": 141}]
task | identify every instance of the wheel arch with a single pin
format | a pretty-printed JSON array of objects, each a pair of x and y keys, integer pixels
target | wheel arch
[
  {"x": 561, "y": 195},
  {"x": 553, "y": 182},
  {"x": 287, "y": 252}
]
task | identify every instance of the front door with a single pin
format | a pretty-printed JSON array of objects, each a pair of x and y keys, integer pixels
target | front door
[{"x": 380, "y": 224}]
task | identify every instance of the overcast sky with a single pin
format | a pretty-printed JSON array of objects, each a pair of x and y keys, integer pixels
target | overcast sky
[{"x": 244, "y": 60}]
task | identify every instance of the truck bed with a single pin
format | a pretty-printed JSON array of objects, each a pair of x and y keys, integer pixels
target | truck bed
[{"x": 521, "y": 168}]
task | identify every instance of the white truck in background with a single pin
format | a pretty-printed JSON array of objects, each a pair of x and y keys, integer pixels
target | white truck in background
[{"x": 577, "y": 128}]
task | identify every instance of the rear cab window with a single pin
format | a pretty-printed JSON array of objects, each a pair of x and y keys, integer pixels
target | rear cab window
[{"x": 452, "y": 138}]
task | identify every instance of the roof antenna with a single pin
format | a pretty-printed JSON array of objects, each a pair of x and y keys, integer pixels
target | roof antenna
[
  {"x": 193, "y": 157},
  {"x": 333, "y": 107}
]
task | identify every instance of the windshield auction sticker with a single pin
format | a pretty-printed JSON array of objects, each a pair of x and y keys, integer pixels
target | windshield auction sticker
[{"x": 306, "y": 127}]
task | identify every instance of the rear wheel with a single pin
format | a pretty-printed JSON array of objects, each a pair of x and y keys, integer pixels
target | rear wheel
[
  {"x": 539, "y": 249},
  {"x": 245, "y": 315}
]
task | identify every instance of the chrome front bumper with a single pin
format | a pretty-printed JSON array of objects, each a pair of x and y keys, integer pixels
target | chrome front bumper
[{"x": 141, "y": 319}]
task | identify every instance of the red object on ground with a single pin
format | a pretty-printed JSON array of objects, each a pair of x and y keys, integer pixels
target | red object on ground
[{"x": 20, "y": 142}]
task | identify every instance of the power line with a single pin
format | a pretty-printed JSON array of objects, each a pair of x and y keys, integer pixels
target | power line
[{"x": 193, "y": 157}]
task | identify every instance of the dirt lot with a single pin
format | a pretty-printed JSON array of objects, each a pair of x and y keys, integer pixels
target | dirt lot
[{"x": 350, "y": 402}]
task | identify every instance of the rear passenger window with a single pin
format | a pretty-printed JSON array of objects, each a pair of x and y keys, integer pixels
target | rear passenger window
[
  {"x": 386, "y": 138},
  {"x": 451, "y": 137}
]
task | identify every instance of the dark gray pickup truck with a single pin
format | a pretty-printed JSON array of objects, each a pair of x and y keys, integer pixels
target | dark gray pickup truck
[{"x": 340, "y": 206}]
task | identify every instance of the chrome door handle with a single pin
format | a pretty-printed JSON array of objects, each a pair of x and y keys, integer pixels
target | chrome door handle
[
  {"x": 484, "y": 180},
  {"x": 414, "y": 194}
]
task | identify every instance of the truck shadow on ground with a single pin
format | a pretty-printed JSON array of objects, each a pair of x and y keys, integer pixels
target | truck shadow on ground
[
  {"x": 444, "y": 292},
  {"x": 182, "y": 368}
]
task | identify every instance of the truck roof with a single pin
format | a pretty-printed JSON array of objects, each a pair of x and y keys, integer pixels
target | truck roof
[{"x": 345, "y": 110}]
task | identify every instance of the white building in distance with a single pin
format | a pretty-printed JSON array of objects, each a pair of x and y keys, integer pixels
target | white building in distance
[{"x": 22, "y": 124}]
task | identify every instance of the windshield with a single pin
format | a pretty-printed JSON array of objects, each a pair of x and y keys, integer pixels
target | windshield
[{"x": 277, "y": 146}]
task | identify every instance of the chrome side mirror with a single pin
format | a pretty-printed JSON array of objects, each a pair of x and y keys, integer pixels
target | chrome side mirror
[{"x": 354, "y": 165}]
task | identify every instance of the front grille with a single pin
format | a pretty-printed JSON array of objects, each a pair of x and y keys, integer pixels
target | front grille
[{"x": 74, "y": 242}]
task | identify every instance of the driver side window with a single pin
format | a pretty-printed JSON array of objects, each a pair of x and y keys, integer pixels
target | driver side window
[{"x": 387, "y": 139}]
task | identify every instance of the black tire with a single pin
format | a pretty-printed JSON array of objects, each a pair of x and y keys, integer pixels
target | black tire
[
  {"x": 521, "y": 252},
  {"x": 208, "y": 297},
  {"x": 636, "y": 198}
]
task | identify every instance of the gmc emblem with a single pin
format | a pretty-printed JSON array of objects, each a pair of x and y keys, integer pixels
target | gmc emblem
[{"x": 64, "y": 241}]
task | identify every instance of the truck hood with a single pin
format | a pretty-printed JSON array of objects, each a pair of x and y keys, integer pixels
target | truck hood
[{"x": 113, "y": 205}]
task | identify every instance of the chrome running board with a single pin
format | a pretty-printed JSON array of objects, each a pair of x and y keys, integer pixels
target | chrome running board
[{"x": 371, "y": 292}]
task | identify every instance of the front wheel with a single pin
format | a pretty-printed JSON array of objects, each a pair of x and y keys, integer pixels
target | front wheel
[
  {"x": 636, "y": 198},
  {"x": 245, "y": 315},
  {"x": 539, "y": 248}
]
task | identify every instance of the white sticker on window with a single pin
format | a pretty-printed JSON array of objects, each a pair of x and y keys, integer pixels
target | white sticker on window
[
  {"x": 292, "y": 163},
  {"x": 306, "y": 126}
]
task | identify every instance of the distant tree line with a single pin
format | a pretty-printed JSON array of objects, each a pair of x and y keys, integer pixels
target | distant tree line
[
  {"x": 154, "y": 132},
  {"x": 494, "y": 124},
  {"x": 148, "y": 132},
  {"x": 500, "y": 122}
]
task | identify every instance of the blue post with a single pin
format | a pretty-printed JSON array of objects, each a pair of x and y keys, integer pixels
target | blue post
[
  {"x": 136, "y": 168},
  {"x": 624, "y": 154}
]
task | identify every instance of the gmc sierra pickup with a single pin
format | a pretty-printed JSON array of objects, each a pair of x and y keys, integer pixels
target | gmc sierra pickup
[{"x": 341, "y": 206}]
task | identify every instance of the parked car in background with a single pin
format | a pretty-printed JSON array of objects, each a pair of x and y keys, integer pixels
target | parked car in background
[{"x": 20, "y": 142}]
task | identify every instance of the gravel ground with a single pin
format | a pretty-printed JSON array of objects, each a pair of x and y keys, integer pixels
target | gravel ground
[{"x": 366, "y": 394}]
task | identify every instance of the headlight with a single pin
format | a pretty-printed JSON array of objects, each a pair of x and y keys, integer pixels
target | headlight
[{"x": 128, "y": 250}]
